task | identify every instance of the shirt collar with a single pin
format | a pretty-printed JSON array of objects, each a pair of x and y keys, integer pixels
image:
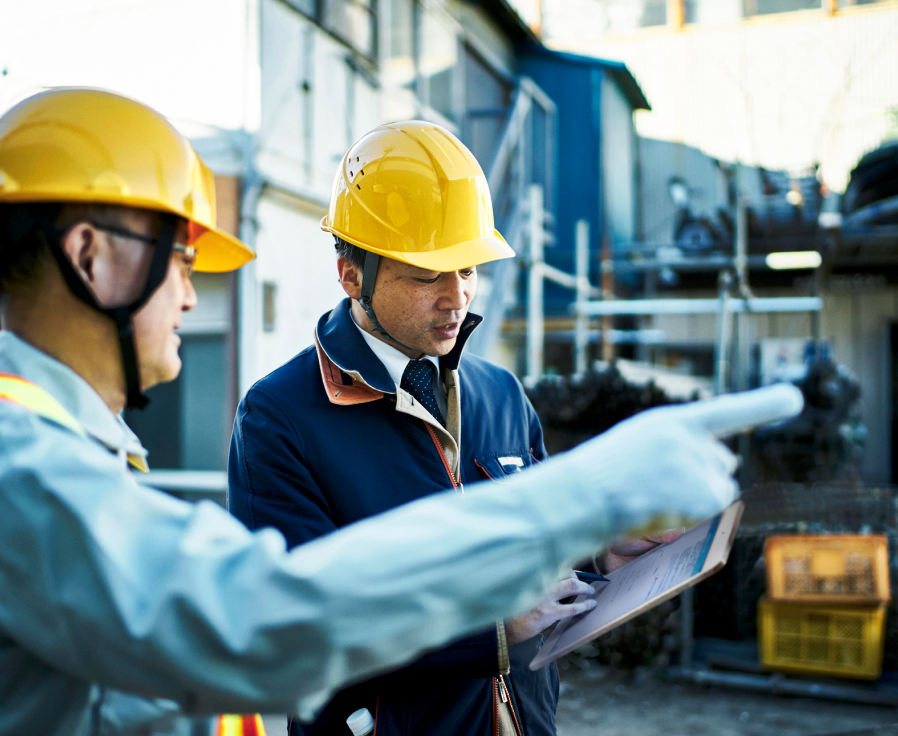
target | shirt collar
[
  {"x": 75, "y": 394},
  {"x": 394, "y": 361}
]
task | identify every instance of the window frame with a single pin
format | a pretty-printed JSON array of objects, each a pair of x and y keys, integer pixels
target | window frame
[{"x": 317, "y": 14}]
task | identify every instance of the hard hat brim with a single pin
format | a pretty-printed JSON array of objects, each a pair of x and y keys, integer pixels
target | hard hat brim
[
  {"x": 219, "y": 252},
  {"x": 453, "y": 258}
]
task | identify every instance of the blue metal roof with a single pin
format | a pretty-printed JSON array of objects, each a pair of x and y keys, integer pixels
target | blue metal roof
[{"x": 616, "y": 69}]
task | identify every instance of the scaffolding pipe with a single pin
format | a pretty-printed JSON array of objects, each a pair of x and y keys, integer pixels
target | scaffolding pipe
[
  {"x": 535, "y": 324},
  {"x": 581, "y": 326},
  {"x": 699, "y": 306},
  {"x": 722, "y": 346}
]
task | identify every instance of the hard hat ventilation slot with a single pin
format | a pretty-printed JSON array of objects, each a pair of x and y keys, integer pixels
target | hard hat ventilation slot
[{"x": 358, "y": 187}]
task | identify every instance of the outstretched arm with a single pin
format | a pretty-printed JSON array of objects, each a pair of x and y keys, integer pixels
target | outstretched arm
[{"x": 128, "y": 587}]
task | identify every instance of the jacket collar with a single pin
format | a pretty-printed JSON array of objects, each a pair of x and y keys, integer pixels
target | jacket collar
[
  {"x": 345, "y": 348},
  {"x": 76, "y": 396}
]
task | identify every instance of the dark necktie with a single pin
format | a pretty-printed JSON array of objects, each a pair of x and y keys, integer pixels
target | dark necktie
[{"x": 417, "y": 379}]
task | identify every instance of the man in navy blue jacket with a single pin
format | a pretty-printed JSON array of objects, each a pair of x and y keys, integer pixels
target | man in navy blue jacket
[{"x": 384, "y": 409}]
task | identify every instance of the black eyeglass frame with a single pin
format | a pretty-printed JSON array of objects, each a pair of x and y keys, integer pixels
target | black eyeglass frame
[{"x": 188, "y": 251}]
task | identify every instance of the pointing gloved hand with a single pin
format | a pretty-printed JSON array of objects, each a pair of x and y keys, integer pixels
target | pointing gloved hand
[{"x": 666, "y": 468}]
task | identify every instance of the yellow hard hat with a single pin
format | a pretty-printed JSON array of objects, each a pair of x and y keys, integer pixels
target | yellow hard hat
[
  {"x": 413, "y": 192},
  {"x": 84, "y": 145}
]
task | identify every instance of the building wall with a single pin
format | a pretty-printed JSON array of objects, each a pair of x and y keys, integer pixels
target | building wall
[
  {"x": 618, "y": 164},
  {"x": 298, "y": 259}
]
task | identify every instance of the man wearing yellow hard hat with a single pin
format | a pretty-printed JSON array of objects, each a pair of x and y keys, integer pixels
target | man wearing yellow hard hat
[
  {"x": 384, "y": 408},
  {"x": 108, "y": 588}
]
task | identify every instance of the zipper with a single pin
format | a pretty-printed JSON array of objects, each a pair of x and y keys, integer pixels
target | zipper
[
  {"x": 495, "y": 707},
  {"x": 506, "y": 698},
  {"x": 436, "y": 441}
]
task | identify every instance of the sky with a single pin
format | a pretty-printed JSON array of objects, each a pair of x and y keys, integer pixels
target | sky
[{"x": 199, "y": 71}]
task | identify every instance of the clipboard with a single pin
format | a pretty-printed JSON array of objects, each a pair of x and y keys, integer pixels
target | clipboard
[{"x": 647, "y": 581}]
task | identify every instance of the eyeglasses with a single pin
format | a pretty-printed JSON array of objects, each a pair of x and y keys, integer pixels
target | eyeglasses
[{"x": 188, "y": 252}]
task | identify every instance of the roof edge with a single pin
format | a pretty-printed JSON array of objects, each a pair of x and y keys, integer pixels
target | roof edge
[{"x": 622, "y": 76}]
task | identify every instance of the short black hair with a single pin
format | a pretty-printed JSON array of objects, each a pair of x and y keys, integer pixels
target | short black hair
[
  {"x": 23, "y": 245},
  {"x": 352, "y": 253},
  {"x": 25, "y": 228}
]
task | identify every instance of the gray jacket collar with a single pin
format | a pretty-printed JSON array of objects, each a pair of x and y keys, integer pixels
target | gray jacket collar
[{"x": 75, "y": 394}]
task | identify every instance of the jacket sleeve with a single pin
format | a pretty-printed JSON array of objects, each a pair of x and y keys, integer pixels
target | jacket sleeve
[
  {"x": 126, "y": 586},
  {"x": 269, "y": 484}
]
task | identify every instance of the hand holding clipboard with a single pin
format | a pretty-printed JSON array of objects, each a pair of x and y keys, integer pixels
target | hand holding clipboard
[{"x": 690, "y": 476}]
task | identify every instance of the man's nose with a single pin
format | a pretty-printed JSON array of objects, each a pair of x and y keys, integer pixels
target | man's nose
[
  {"x": 190, "y": 298},
  {"x": 455, "y": 293}
]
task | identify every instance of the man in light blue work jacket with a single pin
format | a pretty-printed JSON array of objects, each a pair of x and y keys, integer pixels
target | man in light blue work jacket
[{"x": 105, "y": 210}]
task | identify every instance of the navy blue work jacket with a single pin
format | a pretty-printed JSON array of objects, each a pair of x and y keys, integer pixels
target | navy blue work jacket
[{"x": 315, "y": 448}]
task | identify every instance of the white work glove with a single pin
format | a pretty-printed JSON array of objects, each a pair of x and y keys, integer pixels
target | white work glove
[
  {"x": 665, "y": 467},
  {"x": 550, "y": 609}
]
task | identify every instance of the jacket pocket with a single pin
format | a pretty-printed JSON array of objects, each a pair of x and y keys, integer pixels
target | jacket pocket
[{"x": 500, "y": 465}]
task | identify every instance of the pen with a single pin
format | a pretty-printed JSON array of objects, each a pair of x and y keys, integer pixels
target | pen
[{"x": 588, "y": 577}]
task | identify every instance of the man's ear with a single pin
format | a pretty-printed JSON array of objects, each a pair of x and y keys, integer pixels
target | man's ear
[
  {"x": 90, "y": 256},
  {"x": 350, "y": 278},
  {"x": 81, "y": 246}
]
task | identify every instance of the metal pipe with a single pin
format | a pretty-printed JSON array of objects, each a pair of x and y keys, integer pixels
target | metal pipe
[
  {"x": 777, "y": 684},
  {"x": 687, "y": 263},
  {"x": 535, "y": 316},
  {"x": 581, "y": 325},
  {"x": 699, "y": 306},
  {"x": 741, "y": 259},
  {"x": 687, "y": 639},
  {"x": 569, "y": 280},
  {"x": 722, "y": 346}
]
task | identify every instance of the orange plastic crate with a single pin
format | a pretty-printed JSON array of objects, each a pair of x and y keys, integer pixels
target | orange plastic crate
[
  {"x": 836, "y": 568},
  {"x": 822, "y": 639}
]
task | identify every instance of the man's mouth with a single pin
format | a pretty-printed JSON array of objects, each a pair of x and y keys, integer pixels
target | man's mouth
[{"x": 448, "y": 330}]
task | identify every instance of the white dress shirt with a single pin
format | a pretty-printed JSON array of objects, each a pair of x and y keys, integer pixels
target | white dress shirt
[{"x": 395, "y": 362}]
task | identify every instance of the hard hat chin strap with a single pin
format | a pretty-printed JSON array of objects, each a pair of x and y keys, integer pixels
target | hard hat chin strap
[
  {"x": 123, "y": 316},
  {"x": 369, "y": 276}
]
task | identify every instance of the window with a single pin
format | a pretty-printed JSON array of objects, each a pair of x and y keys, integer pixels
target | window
[
  {"x": 712, "y": 12},
  {"x": 400, "y": 66},
  {"x": 625, "y": 16},
  {"x": 423, "y": 72},
  {"x": 353, "y": 22},
  {"x": 437, "y": 59},
  {"x": 767, "y": 7},
  {"x": 487, "y": 99}
]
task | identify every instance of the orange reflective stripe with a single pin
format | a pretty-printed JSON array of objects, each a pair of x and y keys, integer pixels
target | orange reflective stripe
[{"x": 240, "y": 725}]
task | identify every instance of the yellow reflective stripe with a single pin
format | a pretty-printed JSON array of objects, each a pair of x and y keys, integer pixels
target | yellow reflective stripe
[
  {"x": 240, "y": 725},
  {"x": 37, "y": 400},
  {"x": 138, "y": 463}
]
